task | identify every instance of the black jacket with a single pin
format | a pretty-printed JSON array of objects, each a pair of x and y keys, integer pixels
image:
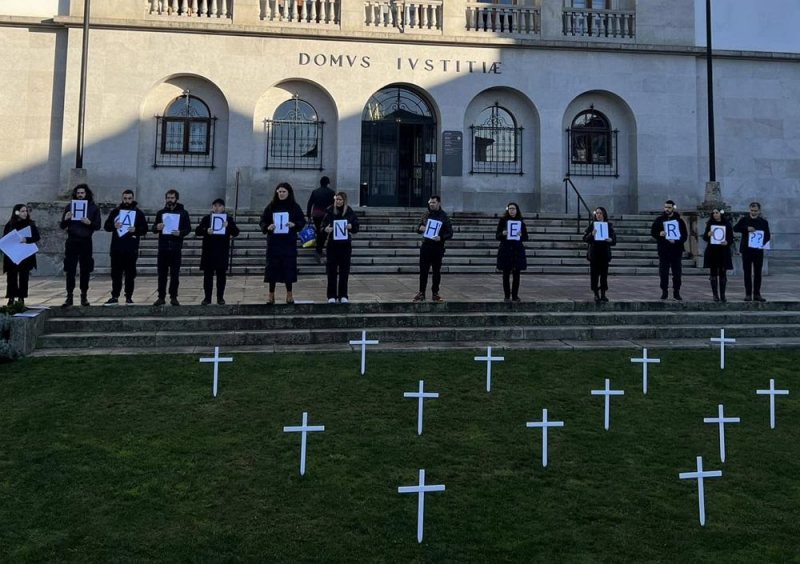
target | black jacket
[
  {"x": 599, "y": 252},
  {"x": 216, "y": 248},
  {"x": 173, "y": 242},
  {"x": 128, "y": 243},
  {"x": 282, "y": 248},
  {"x": 511, "y": 254},
  {"x": 30, "y": 262},
  {"x": 321, "y": 199},
  {"x": 665, "y": 248},
  {"x": 328, "y": 220},
  {"x": 78, "y": 229},
  {"x": 445, "y": 233},
  {"x": 759, "y": 224},
  {"x": 718, "y": 256}
]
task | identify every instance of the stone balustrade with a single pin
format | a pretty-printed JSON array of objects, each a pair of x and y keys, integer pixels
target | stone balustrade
[
  {"x": 322, "y": 12},
  {"x": 619, "y": 24},
  {"x": 191, "y": 8},
  {"x": 409, "y": 15},
  {"x": 501, "y": 18}
]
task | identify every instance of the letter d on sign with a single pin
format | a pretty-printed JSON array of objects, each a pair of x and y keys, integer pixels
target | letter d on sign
[{"x": 218, "y": 223}]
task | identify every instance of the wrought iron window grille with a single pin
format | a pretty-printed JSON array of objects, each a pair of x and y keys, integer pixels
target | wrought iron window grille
[
  {"x": 592, "y": 146},
  {"x": 496, "y": 144},
  {"x": 294, "y": 137},
  {"x": 185, "y": 135}
]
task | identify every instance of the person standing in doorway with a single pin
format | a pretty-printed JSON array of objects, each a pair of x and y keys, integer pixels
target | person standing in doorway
[
  {"x": 17, "y": 275},
  {"x": 318, "y": 203},
  {"x": 599, "y": 252},
  {"x": 78, "y": 248},
  {"x": 670, "y": 238},
  {"x": 717, "y": 256},
  {"x": 511, "y": 259},
  {"x": 281, "y": 221},
  {"x": 171, "y": 230},
  {"x": 127, "y": 224},
  {"x": 338, "y": 226},
  {"x": 753, "y": 254},
  {"x": 435, "y": 227},
  {"x": 216, "y": 232}
]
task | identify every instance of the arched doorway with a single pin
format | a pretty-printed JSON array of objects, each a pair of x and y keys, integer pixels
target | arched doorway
[{"x": 398, "y": 149}]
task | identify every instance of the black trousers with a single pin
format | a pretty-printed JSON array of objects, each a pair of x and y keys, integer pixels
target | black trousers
[
  {"x": 78, "y": 252},
  {"x": 169, "y": 263},
  {"x": 321, "y": 236},
  {"x": 17, "y": 283},
  {"x": 338, "y": 265},
  {"x": 718, "y": 272},
  {"x": 208, "y": 282},
  {"x": 752, "y": 263},
  {"x": 123, "y": 264},
  {"x": 665, "y": 264},
  {"x": 511, "y": 288},
  {"x": 430, "y": 257},
  {"x": 598, "y": 272}
]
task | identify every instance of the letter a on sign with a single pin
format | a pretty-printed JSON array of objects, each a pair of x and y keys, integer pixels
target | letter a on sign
[
  {"x": 514, "y": 230},
  {"x": 78, "y": 209},
  {"x": 340, "y": 230},
  {"x": 673, "y": 230},
  {"x": 127, "y": 219},
  {"x": 432, "y": 228},
  {"x": 717, "y": 234},
  {"x": 281, "y": 221},
  {"x": 218, "y": 223},
  {"x": 602, "y": 230}
]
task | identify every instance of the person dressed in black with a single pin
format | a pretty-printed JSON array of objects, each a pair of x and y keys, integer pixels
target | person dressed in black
[
  {"x": 216, "y": 250},
  {"x": 78, "y": 248},
  {"x": 17, "y": 275},
  {"x": 340, "y": 246},
  {"x": 670, "y": 248},
  {"x": 281, "y": 221},
  {"x": 717, "y": 256},
  {"x": 125, "y": 246},
  {"x": 511, "y": 259},
  {"x": 432, "y": 249},
  {"x": 318, "y": 203},
  {"x": 170, "y": 246},
  {"x": 752, "y": 257},
  {"x": 599, "y": 254}
]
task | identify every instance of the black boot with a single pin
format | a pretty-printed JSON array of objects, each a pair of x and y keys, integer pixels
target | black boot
[
  {"x": 68, "y": 302},
  {"x": 723, "y": 283},
  {"x": 603, "y": 297},
  {"x": 714, "y": 291},
  {"x": 596, "y": 297},
  {"x": 677, "y": 295}
]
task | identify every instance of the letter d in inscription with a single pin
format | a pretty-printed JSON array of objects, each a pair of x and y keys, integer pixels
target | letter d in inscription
[{"x": 305, "y": 58}]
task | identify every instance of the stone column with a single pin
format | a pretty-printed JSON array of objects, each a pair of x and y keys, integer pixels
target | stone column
[
  {"x": 246, "y": 12},
  {"x": 454, "y": 17},
  {"x": 351, "y": 15},
  {"x": 552, "y": 19}
]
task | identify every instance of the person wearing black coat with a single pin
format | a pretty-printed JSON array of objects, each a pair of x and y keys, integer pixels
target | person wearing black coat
[
  {"x": 125, "y": 248},
  {"x": 170, "y": 248},
  {"x": 340, "y": 251},
  {"x": 432, "y": 250},
  {"x": 17, "y": 275},
  {"x": 599, "y": 254},
  {"x": 670, "y": 251},
  {"x": 215, "y": 251},
  {"x": 282, "y": 247},
  {"x": 78, "y": 248},
  {"x": 717, "y": 256},
  {"x": 318, "y": 203},
  {"x": 511, "y": 257},
  {"x": 752, "y": 258}
]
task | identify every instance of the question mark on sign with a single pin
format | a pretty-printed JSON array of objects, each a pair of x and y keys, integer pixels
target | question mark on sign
[{"x": 757, "y": 239}]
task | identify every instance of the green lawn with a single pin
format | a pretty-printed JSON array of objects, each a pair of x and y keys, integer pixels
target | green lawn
[{"x": 130, "y": 459}]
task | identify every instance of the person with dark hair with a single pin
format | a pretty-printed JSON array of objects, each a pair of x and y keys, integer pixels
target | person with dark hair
[
  {"x": 17, "y": 275},
  {"x": 216, "y": 234},
  {"x": 318, "y": 203},
  {"x": 752, "y": 257},
  {"x": 125, "y": 245},
  {"x": 170, "y": 246},
  {"x": 435, "y": 227},
  {"x": 511, "y": 257},
  {"x": 78, "y": 247},
  {"x": 281, "y": 221},
  {"x": 599, "y": 253},
  {"x": 717, "y": 256},
  {"x": 340, "y": 247},
  {"x": 670, "y": 248}
]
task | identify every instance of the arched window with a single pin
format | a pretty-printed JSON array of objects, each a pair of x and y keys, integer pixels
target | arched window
[
  {"x": 185, "y": 134},
  {"x": 294, "y": 136},
  {"x": 496, "y": 142},
  {"x": 592, "y": 145}
]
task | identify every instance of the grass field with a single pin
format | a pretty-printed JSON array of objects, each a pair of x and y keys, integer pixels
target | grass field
[{"x": 130, "y": 459}]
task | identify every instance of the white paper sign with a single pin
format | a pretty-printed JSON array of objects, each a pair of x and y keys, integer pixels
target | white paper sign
[
  {"x": 281, "y": 221},
  {"x": 79, "y": 209},
  {"x": 673, "y": 230},
  {"x": 756, "y": 240},
  {"x": 26, "y": 232},
  {"x": 432, "y": 229},
  {"x": 218, "y": 223},
  {"x": 514, "y": 229},
  {"x": 128, "y": 220},
  {"x": 13, "y": 247},
  {"x": 601, "y": 228},
  {"x": 717, "y": 234},
  {"x": 340, "y": 230},
  {"x": 172, "y": 222}
]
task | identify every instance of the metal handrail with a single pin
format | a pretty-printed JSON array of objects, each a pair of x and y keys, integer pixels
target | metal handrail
[
  {"x": 568, "y": 182},
  {"x": 235, "y": 209}
]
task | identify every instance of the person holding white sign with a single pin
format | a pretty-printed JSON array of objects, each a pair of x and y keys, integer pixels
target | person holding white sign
[
  {"x": 338, "y": 225},
  {"x": 600, "y": 237},
  {"x": 127, "y": 224},
  {"x": 511, "y": 259},
  {"x": 717, "y": 256},
  {"x": 78, "y": 247},
  {"x": 435, "y": 228},
  {"x": 172, "y": 224},
  {"x": 669, "y": 230},
  {"x": 216, "y": 229},
  {"x": 755, "y": 235},
  {"x": 17, "y": 275},
  {"x": 281, "y": 212}
]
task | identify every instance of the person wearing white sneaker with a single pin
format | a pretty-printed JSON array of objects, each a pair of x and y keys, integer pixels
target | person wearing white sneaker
[
  {"x": 339, "y": 225},
  {"x": 331, "y": 300},
  {"x": 344, "y": 301}
]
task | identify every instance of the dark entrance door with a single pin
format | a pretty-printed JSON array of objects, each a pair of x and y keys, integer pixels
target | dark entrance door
[{"x": 398, "y": 150}]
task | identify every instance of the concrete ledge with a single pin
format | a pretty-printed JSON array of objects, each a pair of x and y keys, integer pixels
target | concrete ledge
[{"x": 26, "y": 330}]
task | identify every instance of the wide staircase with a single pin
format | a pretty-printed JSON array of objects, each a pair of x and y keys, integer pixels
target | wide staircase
[{"x": 387, "y": 244}]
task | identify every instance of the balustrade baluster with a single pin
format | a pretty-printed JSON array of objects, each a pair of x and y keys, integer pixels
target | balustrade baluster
[
  {"x": 224, "y": 10},
  {"x": 303, "y": 11},
  {"x": 174, "y": 8}
]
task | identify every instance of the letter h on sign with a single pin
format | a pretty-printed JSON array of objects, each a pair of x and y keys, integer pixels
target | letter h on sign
[
  {"x": 78, "y": 209},
  {"x": 432, "y": 228}
]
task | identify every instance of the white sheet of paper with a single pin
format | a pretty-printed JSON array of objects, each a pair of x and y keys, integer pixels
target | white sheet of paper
[
  {"x": 281, "y": 221},
  {"x": 25, "y": 232},
  {"x": 602, "y": 230},
  {"x": 673, "y": 230},
  {"x": 717, "y": 234},
  {"x": 128, "y": 220},
  {"x": 172, "y": 222},
  {"x": 432, "y": 228},
  {"x": 514, "y": 229},
  {"x": 218, "y": 223},
  {"x": 79, "y": 209},
  {"x": 14, "y": 249},
  {"x": 756, "y": 240},
  {"x": 340, "y": 232}
]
